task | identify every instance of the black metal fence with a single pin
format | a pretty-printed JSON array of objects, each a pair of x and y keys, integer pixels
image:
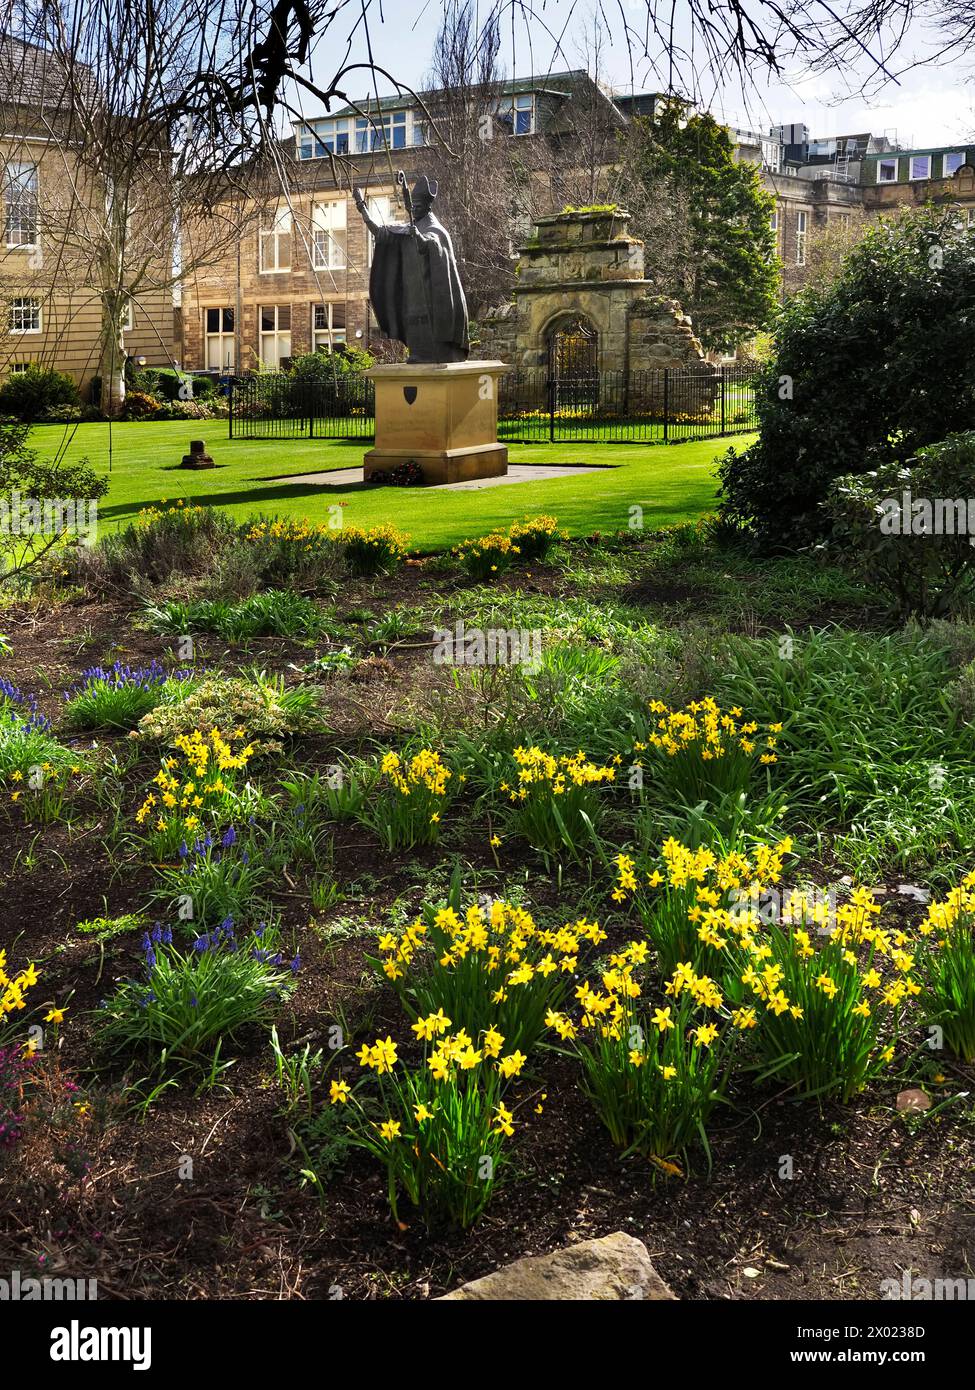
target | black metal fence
[
  {"x": 651, "y": 407},
  {"x": 275, "y": 405}
]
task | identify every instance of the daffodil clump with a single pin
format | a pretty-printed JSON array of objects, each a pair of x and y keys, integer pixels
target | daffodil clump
[
  {"x": 290, "y": 550},
  {"x": 692, "y": 884},
  {"x": 553, "y": 802},
  {"x": 178, "y": 513},
  {"x": 535, "y": 536},
  {"x": 829, "y": 1013},
  {"x": 702, "y": 751},
  {"x": 488, "y": 966},
  {"x": 410, "y": 799},
  {"x": 373, "y": 551},
  {"x": 41, "y": 790},
  {"x": 653, "y": 1073},
  {"x": 826, "y": 1014},
  {"x": 947, "y": 968},
  {"x": 487, "y": 556},
  {"x": 13, "y": 988},
  {"x": 36, "y": 770},
  {"x": 200, "y": 788},
  {"x": 440, "y": 1125}
]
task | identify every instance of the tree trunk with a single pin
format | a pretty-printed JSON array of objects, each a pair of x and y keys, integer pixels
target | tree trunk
[{"x": 112, "y": 363}]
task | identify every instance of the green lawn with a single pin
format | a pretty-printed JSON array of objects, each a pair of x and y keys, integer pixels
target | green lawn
[{"x": 672, "y": 483}]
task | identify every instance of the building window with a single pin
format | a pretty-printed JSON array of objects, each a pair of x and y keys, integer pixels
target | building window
[
  {"x": 25, "y": 316},
  {"x": 381, "y": 132},
  {"x": 20, "y": 204},
  {"x": 971, "y": 217},
  {"x": 380, "y": 210},
  {"x": 327, "y": 326},
  {"x": 128, "y": 322},
  {"x": 772, "y": 155},
  {"x": 920, "y": 166},
  {"x": 324, "y": 137},
  {"x": 518, "y": 114},
  {"x": 774, "y": 224},
  {"x": 275, "y": 243},
  {"x": 887, "y": 171},
  {"x": 802, "y": 226},
  {"x": 329, "y": 243},
  {"x": 951, "y": 163},
  {"x": 275, "y": 334},
  {"x": 218, "y": 327},
  {"x": 18, "y": 368}
]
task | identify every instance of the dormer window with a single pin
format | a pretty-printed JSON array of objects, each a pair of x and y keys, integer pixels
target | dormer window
[
  {"x": 518, "y": 114},
  {"x": 378, "y": 132},
  {"x": 324, "y": 137}
]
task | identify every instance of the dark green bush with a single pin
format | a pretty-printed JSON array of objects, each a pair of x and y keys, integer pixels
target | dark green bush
[
  {"x": 27, "y": 395},
  {"x": 907, "y": 528},
  {"x": 867, "y": 369},
  {"x": 326, "y": 366}
]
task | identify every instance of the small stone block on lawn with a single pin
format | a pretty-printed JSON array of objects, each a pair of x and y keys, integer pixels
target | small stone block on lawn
[
  {"x": 614, "y": 1267},
  {"x": 197, "y": 456}
]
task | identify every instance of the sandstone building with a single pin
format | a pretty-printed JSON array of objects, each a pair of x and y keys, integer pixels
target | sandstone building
[{"x": 52, "y": 311}]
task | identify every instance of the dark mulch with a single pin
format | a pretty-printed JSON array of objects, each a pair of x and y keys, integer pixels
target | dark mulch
[{"x": 870, "y": 1193}]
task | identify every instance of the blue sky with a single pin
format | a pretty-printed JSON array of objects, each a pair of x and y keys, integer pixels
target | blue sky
[{"x": 925, "y": 107}]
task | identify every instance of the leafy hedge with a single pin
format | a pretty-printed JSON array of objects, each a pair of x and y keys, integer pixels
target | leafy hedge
[{"x": 869, "y": 368}]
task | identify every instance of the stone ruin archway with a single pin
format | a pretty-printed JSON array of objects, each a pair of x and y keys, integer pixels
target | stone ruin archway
[
  {"x": 572, "y": 341},
  {"x": 573, "y": 348},
  {"x": 586, "y": 266}
]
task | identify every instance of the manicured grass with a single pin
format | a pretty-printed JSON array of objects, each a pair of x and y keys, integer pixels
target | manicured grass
[{"x": 672, "y": 483}]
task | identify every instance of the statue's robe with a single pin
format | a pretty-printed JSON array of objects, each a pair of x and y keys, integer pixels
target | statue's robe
[{"x": 416, "y": 292}]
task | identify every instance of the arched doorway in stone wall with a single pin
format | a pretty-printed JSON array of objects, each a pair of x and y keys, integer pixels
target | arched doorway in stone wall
[{"x": 573, "y": 360}]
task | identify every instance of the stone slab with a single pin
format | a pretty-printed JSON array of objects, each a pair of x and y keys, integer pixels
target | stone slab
[
  {"x": 517, "y": 473},
  {"x": 613, "y": 1268}
]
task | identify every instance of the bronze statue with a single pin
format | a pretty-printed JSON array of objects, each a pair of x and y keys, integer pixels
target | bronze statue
[{"x": 414, "y": 284}]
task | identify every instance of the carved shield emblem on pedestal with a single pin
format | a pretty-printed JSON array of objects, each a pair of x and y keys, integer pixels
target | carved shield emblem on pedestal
[{"x": 409, "y": 394}]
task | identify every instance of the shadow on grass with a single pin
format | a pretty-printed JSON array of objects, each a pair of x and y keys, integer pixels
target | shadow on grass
[{"x": 261, "y": 495}]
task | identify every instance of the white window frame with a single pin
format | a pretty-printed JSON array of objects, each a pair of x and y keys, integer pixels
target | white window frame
[
  {"x": 276, "y": 335},
  {"x": 379, "y": 131},
  {"x": 128, "y": 321},
  {"x": 329, "y": 239},
  {"x": 802, "y": 231},
  {"x": 323, "y": 320},
  {"x": 916, "y": 159},
  {"x": 951, "y": 154},
  {"x": 880, "y": 169},
  {"x": 772, "y": 153},
  {"x": 511, "y": 109},
  {"x": 18, "y": 368},
  {"x": 277, "y": 239},
  {"x": 331, "y": 135},
  {"x": 19, "y": 306},
  {"x": 29, "y": 201},
  {"x": 224, "y": 339}
]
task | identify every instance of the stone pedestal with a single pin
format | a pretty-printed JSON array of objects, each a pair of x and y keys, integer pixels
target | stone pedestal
[{"x": 442, "y": 416}]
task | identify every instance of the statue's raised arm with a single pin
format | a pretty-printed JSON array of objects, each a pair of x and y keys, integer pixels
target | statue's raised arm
[{"x": 414, "y": 284}]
